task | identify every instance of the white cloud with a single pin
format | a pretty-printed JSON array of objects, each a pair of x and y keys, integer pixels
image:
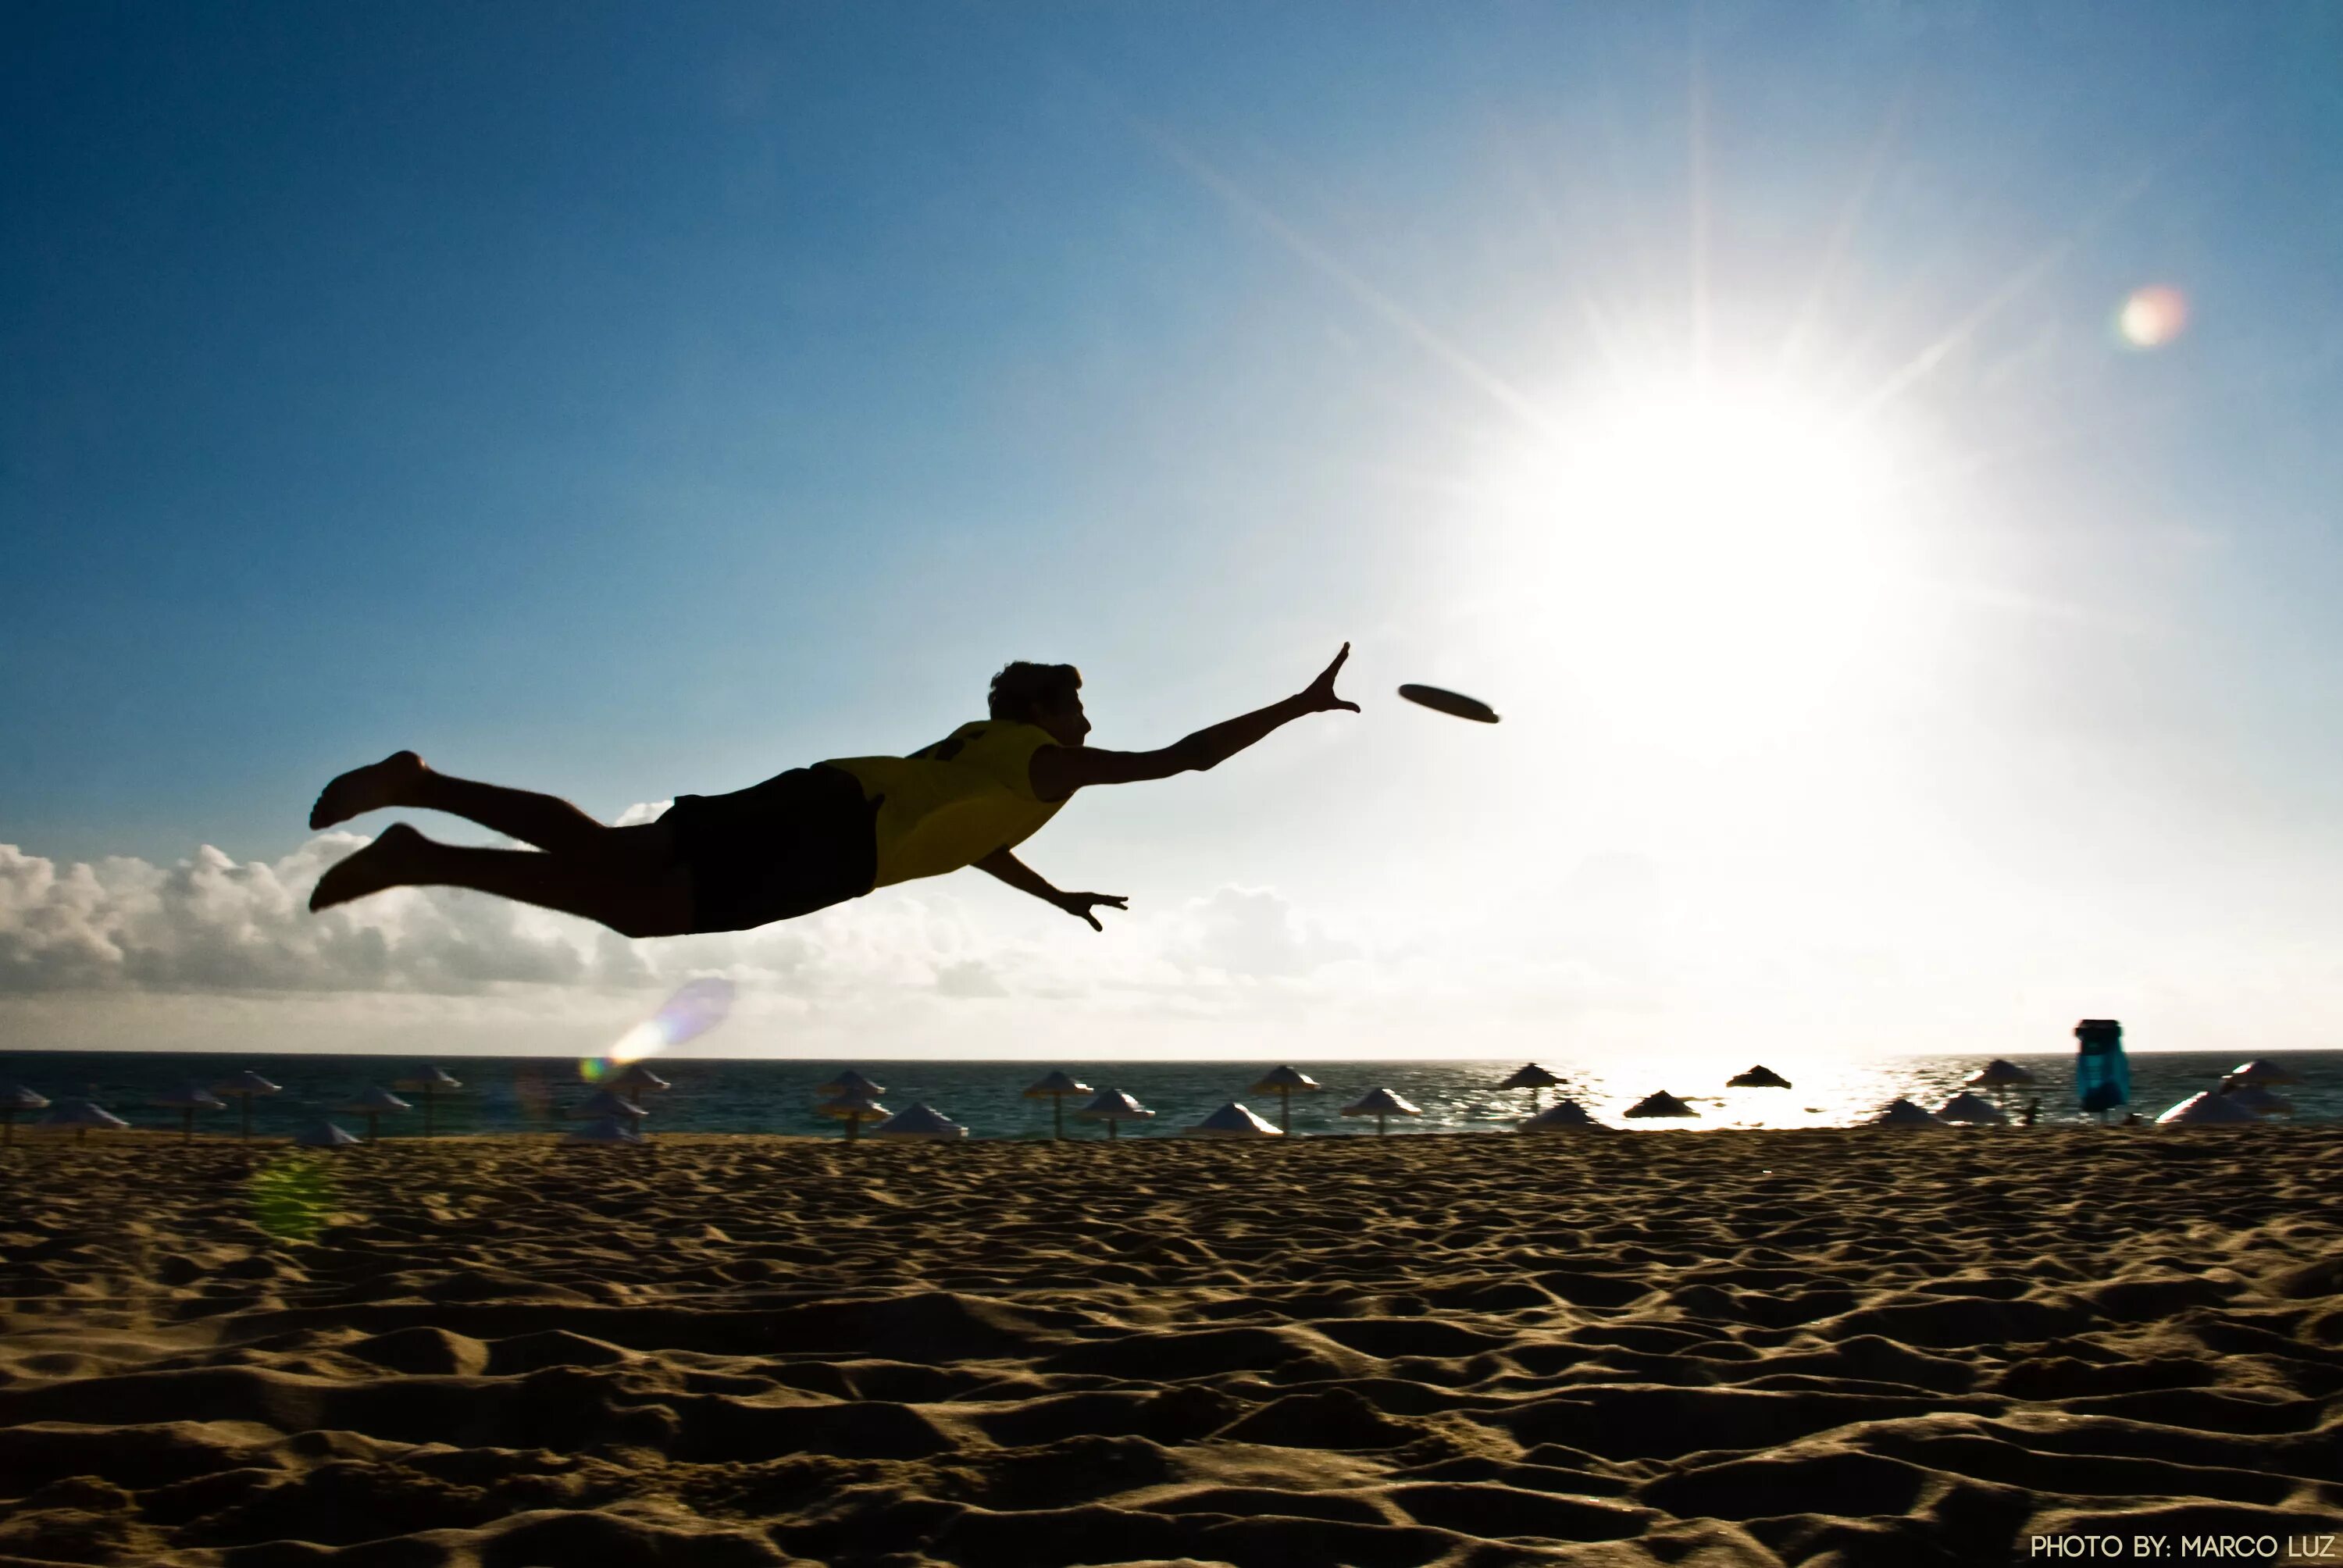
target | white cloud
[{"x": 211, "y": 951}]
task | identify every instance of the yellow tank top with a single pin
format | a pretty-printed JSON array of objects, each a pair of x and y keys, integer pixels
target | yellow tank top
[{"x": 953, "y": 803}]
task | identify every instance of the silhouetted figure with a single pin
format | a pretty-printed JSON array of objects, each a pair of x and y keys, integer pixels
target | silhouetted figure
[
  {"x": 800, "y": 841},
  {"x": 2033, "y": 1113}
]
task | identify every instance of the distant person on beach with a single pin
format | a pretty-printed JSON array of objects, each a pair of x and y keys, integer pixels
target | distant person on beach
[
  {"x": 2032, "y": 1112},
  {"x": 800, "y": 841}
]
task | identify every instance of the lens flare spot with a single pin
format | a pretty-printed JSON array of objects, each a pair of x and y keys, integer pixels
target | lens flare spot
[
  {"x": 694, "y": 1010},
  {"x": 2153, "y": 317}
]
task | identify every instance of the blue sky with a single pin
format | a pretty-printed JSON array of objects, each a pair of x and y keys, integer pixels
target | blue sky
[{"x": 625, "y": 403}]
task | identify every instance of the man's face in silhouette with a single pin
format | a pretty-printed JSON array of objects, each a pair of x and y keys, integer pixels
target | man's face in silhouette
[{"x": 1066, "y": 725}]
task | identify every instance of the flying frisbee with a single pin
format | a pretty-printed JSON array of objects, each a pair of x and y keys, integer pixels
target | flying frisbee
[{"x": 1453, "y": 702}]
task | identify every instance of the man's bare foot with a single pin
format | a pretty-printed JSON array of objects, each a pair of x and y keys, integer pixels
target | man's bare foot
[
  {"x": 366, "y": 789},
  {"x": 385, "y": 863}
]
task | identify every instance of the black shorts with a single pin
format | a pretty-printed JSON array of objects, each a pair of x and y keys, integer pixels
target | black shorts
[{"x": 801, "y": 842}]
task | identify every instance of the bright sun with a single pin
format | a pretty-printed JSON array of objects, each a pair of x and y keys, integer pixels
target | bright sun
[{"x": 1709, "y": 561}]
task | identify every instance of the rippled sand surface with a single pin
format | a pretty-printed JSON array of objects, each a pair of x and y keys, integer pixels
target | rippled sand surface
[{"x": 1839, "y": 1348}]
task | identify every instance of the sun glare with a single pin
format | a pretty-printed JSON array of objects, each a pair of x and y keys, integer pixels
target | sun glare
[{"x": 1708, "y": 562}]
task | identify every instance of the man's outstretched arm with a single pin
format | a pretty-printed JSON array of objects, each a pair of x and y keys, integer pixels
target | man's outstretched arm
[
  {"x": 1026, "y": 880},
  {"x": 1057, "y": 772}
]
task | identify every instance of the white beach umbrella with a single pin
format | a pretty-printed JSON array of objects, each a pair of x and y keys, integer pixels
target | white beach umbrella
[
  {"x": 1534, "y": 1079},
  {"x": 1054, "y": 1089},
  {"x": 1233, "y": 1121},
  {"x": 1562, "y": 1116},
  {"x": 1660, "y": 1104},
  {"x": 372, "y": 1105},
  {"x": 186, "y": 1100},
  {"x": 2264, "y": 1072},
  {"x": 1285, "y": 1082},
  {"x": 324, "y": 1135},
  {"x": 1380, "y": 1103},
  {"x": 1114, "y": 1107},
  {"x": 854, "y": 1110},
  {"x": 243, "y": 1087},
  {"x": 1758, "y": 1077},
  {"x": 81, "y": 1115},
  {"x": 851, "y": 1083},
  {"x": 606, "y": 1129},
  {"x": 2207, "y": 1111},
  {"x": 1902, "y": 1112},
  {"x": 15, "y": 1100},
  {"x": 1967, "y": 1108},
  {"x": 429, "y": 1082},
  {"x": 2253, "y": 1097},
  {"x": 921, "y": 1121},
  {"x": 608, "y": 1102}
]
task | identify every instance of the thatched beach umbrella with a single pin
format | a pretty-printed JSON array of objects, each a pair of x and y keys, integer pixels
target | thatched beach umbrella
[
  {"x": 1233, "y": 1121},
  {"x": 1285, "y": 1084},
  {"x": 1663, "y": 1103},
  {"x": 1562, "y": 1116},
  {"x": 429, "y": 1082},
  {"x": 1902, "y": 1112},
  {"x": 1534, "y": 1079},
  {"x": 638, "y": 1081},
  {"x": 854, "y": 1110},
  {"x": 186, "y": 1100},
  {"x": 1054, "y": 1089},
  {"x": 2207, "y": 1111},
  {"x": 1114, "y": 1107},
  {"x": 609, "y": 1103},
  {"x": 1967, "y": 1108},
  {"x": 921, "y": 1121},
  {"x": 1758, "y": 1077},
  {"x": 324, "y": 1135},
  {"x": 243, "y": 1086},
  {"x": 851, "y": 1083},
  {"x": 81, "y": 1115},
  {"x": 15, "y": 1100},
  {"x": 2264, "y": 1072},
  {"x": 606, "y": 1129},
  {"x": 1380, "y": 1102},
  {"x": 1999, "y": 1076},
  {"x": 372, "y": 1105}
]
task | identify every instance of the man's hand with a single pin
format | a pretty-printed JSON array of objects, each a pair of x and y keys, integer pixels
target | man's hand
[
  {"x": 1079, "y": 905},
  {"x": 1319, "y": 696}
]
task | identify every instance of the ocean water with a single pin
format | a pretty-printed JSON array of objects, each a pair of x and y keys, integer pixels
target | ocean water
[{"x": 719, "y": 1094}]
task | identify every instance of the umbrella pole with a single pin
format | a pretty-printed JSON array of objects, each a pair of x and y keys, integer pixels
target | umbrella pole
[
  {"x": 853, "y": 1126},
  {"x": 1379, "y": 1124},
  {"x": 1285, "y": 1110},
  {"x": 426, "y": 1111},
  {"x": 188, "y": 1125},
  {"x": 1056, "y": 1119},
  {"x": 372, "y": 1118},
  {"x": 1112, "y": 1128}
]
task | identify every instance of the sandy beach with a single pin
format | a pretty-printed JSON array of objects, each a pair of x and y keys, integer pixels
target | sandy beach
[{"x": 1833, "y": 1348}]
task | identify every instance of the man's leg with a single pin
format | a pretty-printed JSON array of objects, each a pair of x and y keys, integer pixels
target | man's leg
[
  {"x": 403, "y": 779},
  {"x": 637, "y": 892}
]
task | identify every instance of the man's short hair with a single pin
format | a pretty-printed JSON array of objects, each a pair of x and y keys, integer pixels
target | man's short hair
[{"x": 1021, "y": 691}]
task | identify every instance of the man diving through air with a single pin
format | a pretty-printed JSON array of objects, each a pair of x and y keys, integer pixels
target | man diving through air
[{"x": 801, "y": 842}]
